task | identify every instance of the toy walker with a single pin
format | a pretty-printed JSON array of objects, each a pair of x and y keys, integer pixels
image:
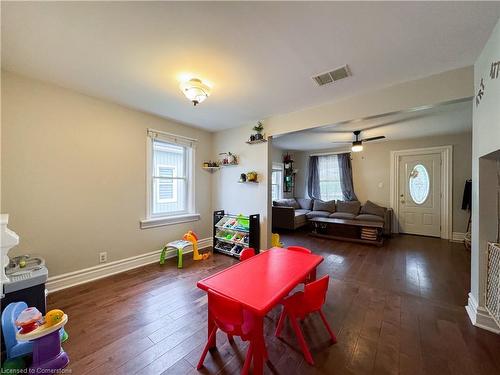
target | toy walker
[
  {"x": 27, "y": 332},
  {"x": 189, "y": 240},
  {"x": 46, "y": 339}
]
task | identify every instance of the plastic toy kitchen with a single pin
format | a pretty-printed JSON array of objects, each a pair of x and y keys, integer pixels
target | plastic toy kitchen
[{"x": 23, "y": 277}]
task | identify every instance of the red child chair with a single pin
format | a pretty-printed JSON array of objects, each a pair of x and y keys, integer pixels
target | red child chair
[
  {"x": 300, "y": 248},
  {"x": 230, "y": 317},
  {"x": 301, "y": 304},
  {"x": 305, "y": 250},
  {"x": 247, "y": 253}
]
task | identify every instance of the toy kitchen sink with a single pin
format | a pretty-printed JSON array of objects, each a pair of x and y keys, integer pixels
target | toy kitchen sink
[{"x": 23, "y": 277}]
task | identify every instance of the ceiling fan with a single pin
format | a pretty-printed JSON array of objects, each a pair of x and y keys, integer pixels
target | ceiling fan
[{"x": 357, "y": 144}]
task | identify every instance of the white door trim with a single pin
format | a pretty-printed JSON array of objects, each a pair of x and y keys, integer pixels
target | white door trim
[{"x": 446, "y": 185}]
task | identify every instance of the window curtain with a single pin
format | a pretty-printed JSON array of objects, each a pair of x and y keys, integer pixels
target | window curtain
[
  {"x": 345, "y": 168},
  {"x": 313, "y": 178}
]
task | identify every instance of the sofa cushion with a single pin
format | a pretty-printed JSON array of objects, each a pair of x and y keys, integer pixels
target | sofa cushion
[
  {"x": 300, "y": 211},
  {"x": 324, "y": 206},
  {"x": 369, "y": 217},
  {"x": 351, "y": 207},
  {"x": 305, "y": 203},
  {"x": 314, "y": 214},
  {"x": 299, "y": 220},
  {"x": 373, "y": 209},
  {"x": 290, "y": 202},
  {"x": 342, "y": 215}
]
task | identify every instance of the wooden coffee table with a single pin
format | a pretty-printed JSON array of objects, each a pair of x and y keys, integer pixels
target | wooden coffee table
[{"x": 346, "y": 230}]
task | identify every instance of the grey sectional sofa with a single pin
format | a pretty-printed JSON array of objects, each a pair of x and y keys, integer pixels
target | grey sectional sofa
[{"x": 294, "y": 213}]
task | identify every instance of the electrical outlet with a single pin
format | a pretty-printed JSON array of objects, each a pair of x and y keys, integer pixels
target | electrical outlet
[{"x": 103, "y": 257}]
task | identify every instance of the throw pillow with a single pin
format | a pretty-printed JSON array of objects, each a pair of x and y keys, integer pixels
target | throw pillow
[
  {"x": 351, "y": 207},
  {"x": 373, "y": 209},
  {"x": 291, "y": 202},
  {"x": 305, "y": 204},
  {"x": 324, "y": 206}
]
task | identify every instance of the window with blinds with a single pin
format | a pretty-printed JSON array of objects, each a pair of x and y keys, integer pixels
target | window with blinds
[{"x": 170, "y": 181}]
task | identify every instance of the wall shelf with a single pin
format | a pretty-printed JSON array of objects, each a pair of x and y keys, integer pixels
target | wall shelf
[
  {"x": 263, "y": 140},
  {"x": 211, "y": 169},
  {"x": 248, "y": 182},
  {"x": 228, "y": 165}
]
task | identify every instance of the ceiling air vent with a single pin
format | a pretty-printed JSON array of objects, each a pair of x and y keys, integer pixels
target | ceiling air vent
[{"x": 334, "y": 75}]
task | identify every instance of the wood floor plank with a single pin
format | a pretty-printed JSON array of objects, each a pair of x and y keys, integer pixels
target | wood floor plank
[{"x": 395, "y": 309}]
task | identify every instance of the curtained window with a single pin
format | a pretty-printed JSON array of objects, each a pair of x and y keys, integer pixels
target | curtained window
[{"x": 329, "y": 178}]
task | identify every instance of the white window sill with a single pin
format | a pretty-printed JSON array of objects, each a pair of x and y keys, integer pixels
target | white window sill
[{"x": 168, "y": 220}]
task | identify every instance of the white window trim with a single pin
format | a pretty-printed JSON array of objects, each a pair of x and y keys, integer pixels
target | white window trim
[
  {"x": 277, "y": 167},
  {"x": 190, "y": 214},
  {"x": 168, "y": 220}
]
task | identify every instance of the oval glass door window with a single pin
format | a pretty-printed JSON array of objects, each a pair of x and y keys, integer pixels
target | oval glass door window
[{"x": 419, "y": 184}]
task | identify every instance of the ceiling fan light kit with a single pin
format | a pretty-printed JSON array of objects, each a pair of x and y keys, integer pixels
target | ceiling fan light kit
[
  {"x": 357, "y": 146},
  {"x": 195, "y": 90}
]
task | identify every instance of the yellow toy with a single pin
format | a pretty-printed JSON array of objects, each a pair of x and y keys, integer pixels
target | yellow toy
[
  {"x": 193, "y": 238},
  {"x": 53, "y": 317},
  {"x": 275, "y": 240}
]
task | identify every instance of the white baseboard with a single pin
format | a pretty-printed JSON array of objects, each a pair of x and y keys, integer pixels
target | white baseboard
[
  {"x": 457, "y": 237},
  {"x": 480, "y": 317},
  {"x": 86, "y": 275}
]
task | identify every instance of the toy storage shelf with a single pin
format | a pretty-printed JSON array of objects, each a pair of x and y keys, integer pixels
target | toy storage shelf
[{"x": 233, "y": 233}]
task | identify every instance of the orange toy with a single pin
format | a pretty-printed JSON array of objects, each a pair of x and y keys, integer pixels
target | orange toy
[{"x": 193, "y": 238}]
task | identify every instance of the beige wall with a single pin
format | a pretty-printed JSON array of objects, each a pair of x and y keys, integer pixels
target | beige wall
[
  {"x": 73, "y": 175},
  {"x": 486, "y": 144},
  {"x": 236, "y": 198},
  {"x": 371, "y": 170},
  {"x": 439, "y": 88}
]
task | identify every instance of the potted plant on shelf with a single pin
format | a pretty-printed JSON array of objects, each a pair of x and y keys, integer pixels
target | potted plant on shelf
[
  {"x": 229, "y": 159},
  {"x": 258, "y": 129},
  {"x": 252, "y": 176}
]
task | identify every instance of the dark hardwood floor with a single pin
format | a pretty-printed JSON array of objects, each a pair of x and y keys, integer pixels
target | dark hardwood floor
[{"x": 395, "y": 309}]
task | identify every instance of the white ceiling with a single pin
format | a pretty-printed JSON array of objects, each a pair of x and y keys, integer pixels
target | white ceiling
[
  {"x": 259, "y": 56},
  {"x": 442, "y": 119}
]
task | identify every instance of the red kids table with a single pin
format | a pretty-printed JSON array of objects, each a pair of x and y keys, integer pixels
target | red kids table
[{"x": 260, "y": 283}]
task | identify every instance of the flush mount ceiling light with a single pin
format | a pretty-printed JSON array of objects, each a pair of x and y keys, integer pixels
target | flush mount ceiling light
[{"x": 195, "y": 90}]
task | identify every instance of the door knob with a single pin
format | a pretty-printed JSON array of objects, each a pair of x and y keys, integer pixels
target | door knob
[{"x": 402, "y": 198}]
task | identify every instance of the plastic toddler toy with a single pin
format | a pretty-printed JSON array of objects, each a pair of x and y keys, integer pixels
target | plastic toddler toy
[
  {"x": 46, "y": 338},
  {"x": 275, "y": 240},
  {"x": 193, "y": 238},
  {"x": 37, "y": 337},
  {"x": 53, "y": 317},
  {"x": 28, "y": 320}
]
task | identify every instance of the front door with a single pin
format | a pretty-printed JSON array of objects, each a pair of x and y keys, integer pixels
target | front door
[{"x": 420, "y": 194}]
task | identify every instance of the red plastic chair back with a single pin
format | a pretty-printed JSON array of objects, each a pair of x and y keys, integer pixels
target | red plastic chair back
[
  {"x": 247, "y": 253},
  {"x": 315, "y": 294},
  {"x": 300, "y": 248},
  {"x": 227, "y": 313}
]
